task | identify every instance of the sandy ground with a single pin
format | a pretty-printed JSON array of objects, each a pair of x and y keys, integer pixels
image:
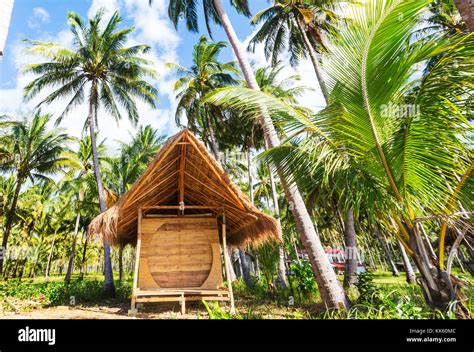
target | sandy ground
[{"x": 113, "y": 310}]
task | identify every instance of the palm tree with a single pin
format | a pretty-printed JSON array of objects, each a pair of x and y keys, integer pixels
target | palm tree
[
  {"x": 331, "y": 291},
  {"x": 406, "y": 140},
  {"x": 133, "y": 158},
  {"x": 124, "y": 170},
  {"x": 80, "y": 188},
  {"x": 386, "y": 250},
  {"x": 444, "y": 16},
  {"x": 205, "y": 74},
  {"x": 299, "y": 28},
  {"x": 38, "y": 153},
  {"x": 244, "y": 131},
  {"x": 7, "y": 189},
  {"x": 45, "y": 197},
  {"x": 102, "y": 69},
  {"x": 270, "y": 81},
  {"x": 466, "y": 9}
]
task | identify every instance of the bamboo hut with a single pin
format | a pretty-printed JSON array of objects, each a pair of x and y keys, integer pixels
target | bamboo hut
[{"x": 181, "y": 213}]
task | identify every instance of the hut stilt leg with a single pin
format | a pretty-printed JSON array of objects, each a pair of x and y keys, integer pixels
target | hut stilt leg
[
  {"x": 133, "y": 306},
  {"x": 226, "y": 264},
  {"x": 183, "y": 305}
]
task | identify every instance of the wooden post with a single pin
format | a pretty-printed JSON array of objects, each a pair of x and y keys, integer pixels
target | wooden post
[
  {"x": 137, "y": 258},
  {"x": 226, "y": 264},
  {"x": 183, "y": 305}
]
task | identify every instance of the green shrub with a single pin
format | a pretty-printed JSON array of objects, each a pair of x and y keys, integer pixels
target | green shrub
[
  {"x": 369, "y": 292},
  {"x": 58, "y": 292},
  {"x": 216, "y": 312},
  {"x": 303, "y": 277}
]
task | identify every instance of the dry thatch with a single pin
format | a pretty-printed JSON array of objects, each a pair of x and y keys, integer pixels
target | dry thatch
[{"x": 184, "y": 171}]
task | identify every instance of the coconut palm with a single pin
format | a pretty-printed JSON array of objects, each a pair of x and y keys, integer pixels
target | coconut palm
[
  {"x": 42, "y": 220},
  {"x": 7, "y": 189},
  {"x": 331, "y": 291},
  {"x": 270, "y": 81},
  {"x": 444, "y": 16},
  {"x": 243, "y": 130},
  {"x": 124, "y": 170},
  {"x": 80, "y": 188},
  {"x": 133, "y": 158},
  {"x": 102, "y": 70},
  {"x": 205, "y": 74},
  {"x": 38, "y": 154},
  {"x": 466, "y": 9},
  {"x": 406, "y": 139},
  {"x": 299, "y": 28}
]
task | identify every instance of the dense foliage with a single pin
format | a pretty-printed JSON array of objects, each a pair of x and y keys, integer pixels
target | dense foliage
[{"x": 384, "y": 167}]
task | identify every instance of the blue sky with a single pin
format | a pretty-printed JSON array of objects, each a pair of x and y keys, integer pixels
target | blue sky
[{"x": 46, "y": 20}]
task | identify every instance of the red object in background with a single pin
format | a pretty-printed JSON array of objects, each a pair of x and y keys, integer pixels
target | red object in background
[{"x": 337, "y": 259}]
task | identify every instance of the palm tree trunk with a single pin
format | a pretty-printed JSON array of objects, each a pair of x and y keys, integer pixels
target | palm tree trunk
[
  {"x": 350, "y": 270},
  {"x": 427, "y": 240},
  {"x": 120, "y": 260},
  {"x": 70, "y": 265},
  {"x": 240, "y": 270},
  {"x": 245, "y": 265},
  {"x": 35, "y": 265},
  {"x": 441, "y": 290},
  {"x": 249, "y": 173},
  {"x": 109, "y": 287},
  {"x": 314, "y": 60},
  {"x": 386, "y": 250},
  {"x": 230, "y": 253},
  {"x": 15, "y": 270},
  {"x": 281, "y": 270},
  {"x": 10, "y": 218},
  {"x": 331, "y": 291},
  {"x": 214, "y": 145},
  {"x": 50, "y": 257},
  {"x": 22, "y": 268},
  {"x": 349, "y": 229},
  {"x": 257, "y": 267},
  {"x": 246, "y": 269},
  {"x": 466, "y": 10},
  {"x": 410, "y": 274},
  {"x": 84, "y": 251}
]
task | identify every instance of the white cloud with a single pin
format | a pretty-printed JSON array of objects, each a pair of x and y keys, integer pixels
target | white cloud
[
  {"x": 40, "y": 16},
  {"x": 108, "y": 6}
]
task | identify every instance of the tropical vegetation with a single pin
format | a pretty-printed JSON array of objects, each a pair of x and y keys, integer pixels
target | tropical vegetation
[{"x": 374, "y": 182}]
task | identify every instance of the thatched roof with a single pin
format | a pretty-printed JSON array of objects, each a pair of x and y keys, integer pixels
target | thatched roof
[{"x": 183, "y": 170}]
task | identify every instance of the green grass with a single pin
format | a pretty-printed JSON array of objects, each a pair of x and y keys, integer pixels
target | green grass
[
  {"x": 386, "y": 297},
  {"x": 382, "y": 296},
  {"x": 56, "y": 292}
]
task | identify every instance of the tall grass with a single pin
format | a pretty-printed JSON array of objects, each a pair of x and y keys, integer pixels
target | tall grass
[{"x": 58, "y": 292}]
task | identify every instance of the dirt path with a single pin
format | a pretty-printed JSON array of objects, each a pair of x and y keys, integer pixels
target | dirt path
[
  {"x": 111, "y": 311},
  {"x": 114, "y": 309}
]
